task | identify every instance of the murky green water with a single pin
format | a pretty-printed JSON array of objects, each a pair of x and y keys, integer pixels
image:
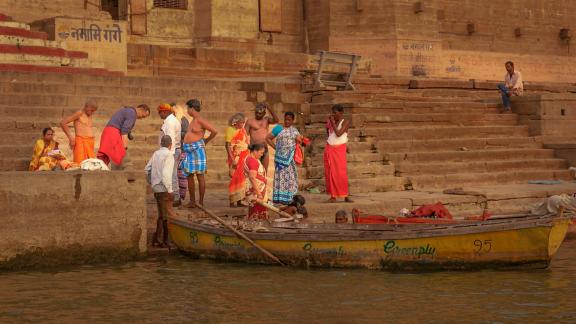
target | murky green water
[{"x": 175, "y": 289}]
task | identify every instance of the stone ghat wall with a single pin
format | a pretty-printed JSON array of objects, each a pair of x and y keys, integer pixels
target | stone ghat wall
[
  {"x": 525, "y": 31},
  {"x": 515, "y": 27},
  {"x": 450, "y": 38},
  {"x": 549, "y": 115},
  {"x": 61, "y": 218},
  {"x": 32, "y": 10}
]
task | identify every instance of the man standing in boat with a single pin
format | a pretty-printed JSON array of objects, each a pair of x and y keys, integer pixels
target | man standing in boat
[
  {"x": 194, "y": 162},
  {"x": 335, "y": 165}
]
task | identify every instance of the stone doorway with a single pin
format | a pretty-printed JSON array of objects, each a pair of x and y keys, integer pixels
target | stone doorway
[{"x": 118, "y": 9}]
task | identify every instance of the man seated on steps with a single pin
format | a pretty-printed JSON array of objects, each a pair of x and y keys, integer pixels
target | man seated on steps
[
  {"x": 82, "y": 143},
  {"x": 512, "y": 85}
]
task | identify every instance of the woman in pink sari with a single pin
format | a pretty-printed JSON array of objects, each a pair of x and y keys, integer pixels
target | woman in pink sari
[{"x": 255, "y": 176}]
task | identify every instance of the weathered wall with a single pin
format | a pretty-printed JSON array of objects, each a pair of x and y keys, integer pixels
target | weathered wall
[
  {"x": 431, "y": 38},
  {"x": 527, "y": 32},
  {"x": 71, "y": 217},
  {"x": 165, "y": 23},
  {"x": 32, "y": 10},
  {"x": 367, "y": 28},
  {"x": 388, "y": 31},
  {"x": 235, "y": 24},
  {"x": 104, "y": 40},
  {"x": 317, "y": 24},
  {"x": 551, "y": 116},
  {"x": 237, "y": 19},
  {"x": 539, "y": 22}
]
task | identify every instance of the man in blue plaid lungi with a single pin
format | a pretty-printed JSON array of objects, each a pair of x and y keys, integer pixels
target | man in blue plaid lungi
[
  {"x": 194, "y": 161},
  {"x": 193, "y": 148}
]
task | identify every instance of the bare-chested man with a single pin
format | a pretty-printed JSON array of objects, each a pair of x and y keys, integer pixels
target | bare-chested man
[
  {"x": 257, "y": 128},
  {"x": 194, "y": 162},
  {"x": 82, "y": 143}
]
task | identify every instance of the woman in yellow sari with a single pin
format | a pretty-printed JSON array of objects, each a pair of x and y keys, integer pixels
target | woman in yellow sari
[
  {"x": 46, "y": 157},
  {"x": 237, "y": 150}
]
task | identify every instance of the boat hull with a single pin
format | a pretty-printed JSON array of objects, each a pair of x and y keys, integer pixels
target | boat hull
[{"x": 533, "y": 244}]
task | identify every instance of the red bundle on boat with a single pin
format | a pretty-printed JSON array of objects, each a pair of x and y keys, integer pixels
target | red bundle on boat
[
  {"x": 357, "y": 218},
  {"x": 436, "y": 211}
]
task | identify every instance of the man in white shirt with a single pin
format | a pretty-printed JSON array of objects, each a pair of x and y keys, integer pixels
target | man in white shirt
[
  {"x": 159, "y": 171},
  {"x": 512, "y": 85},
  {"x": 172, "y": 128}
]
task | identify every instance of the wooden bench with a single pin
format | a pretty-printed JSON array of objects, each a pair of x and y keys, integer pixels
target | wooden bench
[{"x": 335, "y": 71}]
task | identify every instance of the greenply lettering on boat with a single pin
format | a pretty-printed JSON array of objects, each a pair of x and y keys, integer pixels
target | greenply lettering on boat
[
  {"x": 193, "y": 237},
  {"x": 393, "y": 249},
  {"x": 336, "y": 252},
  {"x": 221, "y": 244}
]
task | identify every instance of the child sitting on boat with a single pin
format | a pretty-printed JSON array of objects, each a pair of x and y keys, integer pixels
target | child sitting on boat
[
  {"x": 296, "y": 207},
  {"x": 341, "y": 217}
]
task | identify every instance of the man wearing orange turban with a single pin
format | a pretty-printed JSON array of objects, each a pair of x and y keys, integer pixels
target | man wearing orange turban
[{"x": 172, "y": 128}]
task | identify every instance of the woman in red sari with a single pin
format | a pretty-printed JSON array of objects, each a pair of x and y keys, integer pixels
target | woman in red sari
[
  {"x": 237, "y": 150},
  {"x": 255, "y": 182},
  {"x": 335, "y": 168}
]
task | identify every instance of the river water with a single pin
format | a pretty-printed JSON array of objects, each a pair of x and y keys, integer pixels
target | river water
[{"x": 176, "y": 289}]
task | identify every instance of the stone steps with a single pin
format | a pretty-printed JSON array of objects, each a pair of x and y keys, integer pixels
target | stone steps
[
  {"x": 115, "y": 102},
  {"x": 455, "y": 144},
  {"x": 22, "y": 32},
  {"x": 424, "y": 119},
  {"x": 426, "y": 145},
  {"x": 449, "y": 167},
  {"x": 102, "y": 91},
  {"x": 14, "y": 24},
  {"x": 406, "y": 108},
  {"x": 432, "y": 132},
  {"x": 461, "y": 156},
  {"x": 371, "y": 184},
  {"x": 453, "y": 180},
  {"x": 355, "y": 170},
  {"x": 400, "y": 95},
  {"x": 361, "y": 157},
  {"x": 16, "y": 40},
  {"x": 66, "y": 70}
]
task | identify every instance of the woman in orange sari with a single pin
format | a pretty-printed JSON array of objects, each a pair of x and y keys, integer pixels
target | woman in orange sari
[
  {"x": 255, "y": 175},
  {"x": 46, "y": 156},
  {"x": 237, "y": 150}
]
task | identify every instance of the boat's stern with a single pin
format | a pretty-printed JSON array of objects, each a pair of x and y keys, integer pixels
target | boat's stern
[{"x": 557, "y": 235}]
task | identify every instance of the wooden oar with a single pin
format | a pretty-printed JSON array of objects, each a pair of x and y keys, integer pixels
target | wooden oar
[
  {"x": 274, "y": 209},
  {"x": 241, "y": 235}
]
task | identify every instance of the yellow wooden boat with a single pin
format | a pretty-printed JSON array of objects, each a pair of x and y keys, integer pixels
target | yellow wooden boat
[{"x": 520, "y": 240}]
